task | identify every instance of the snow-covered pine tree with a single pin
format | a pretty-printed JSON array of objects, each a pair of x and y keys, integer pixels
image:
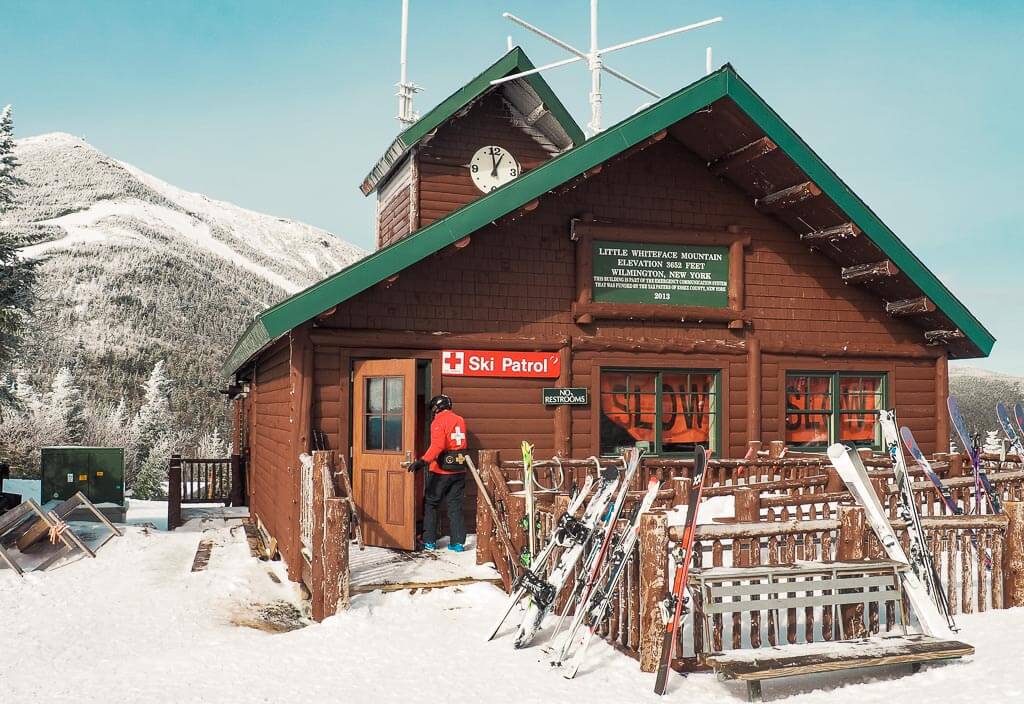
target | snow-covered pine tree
[
  {"x": 154, "y": 423},
  {"x": 993, "y": 443},
  {"x": 17, "y": 275},
  {"x": 66, "y": 406},
  {"x": 212, "y": 445},
  {"x": 151, "y": 478}
]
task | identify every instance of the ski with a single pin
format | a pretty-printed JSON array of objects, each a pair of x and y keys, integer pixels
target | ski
[
  {"x": 565, "y": 525},
  {"x": 540, "y": 608},
  {"x": 851, "y": 469},
  {"x": 500, "y": 528},
  {"x": 593, "y": 568},
  {"x": 1016, "y": 442},
  {"x": 573, "y": 535},
  {"x": 672, "y": 608},
  {"x": 915, "y": 451},
  {"x": 1018, "y": 417},
  {"x": 531, "y": 509},
  {"x": 920, "y": 556},
  {"x": 982, "y": 486},
  {"x": 603, "y": 595}
]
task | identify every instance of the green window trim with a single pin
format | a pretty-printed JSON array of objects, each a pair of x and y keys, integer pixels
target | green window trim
[
  {"x": 835, "y": 411},
  {"x": 715, "y": 413}
]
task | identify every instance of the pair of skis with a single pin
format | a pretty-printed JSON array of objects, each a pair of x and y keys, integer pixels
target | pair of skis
[
  {"x": 1012, "y": 427},
  {"x": 920, "y": 556},
  {"x": 920, "y": 584},
  {"x": 982, "y": 485},
  {"x": 672, "y": 608}
]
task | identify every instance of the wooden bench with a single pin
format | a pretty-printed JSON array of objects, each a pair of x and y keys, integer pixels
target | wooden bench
[{"x": 837, "y": 606}]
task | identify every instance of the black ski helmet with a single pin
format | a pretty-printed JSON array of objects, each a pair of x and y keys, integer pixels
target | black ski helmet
[{"x": 439, "y": 403}]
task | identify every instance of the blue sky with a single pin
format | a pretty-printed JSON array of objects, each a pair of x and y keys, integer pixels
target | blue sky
[{"x": 283, "y": 107}]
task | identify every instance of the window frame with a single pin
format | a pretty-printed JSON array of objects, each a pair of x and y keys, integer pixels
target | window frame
[
  {"x": 835, "y": 412},
  {"x": 715, "y": 436}
]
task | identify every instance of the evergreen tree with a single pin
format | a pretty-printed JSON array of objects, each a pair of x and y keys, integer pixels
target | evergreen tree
[
  {"x": 17, "y": 275},
  {"x": 151, "y": 478},
  {"x": 154, "y": 422},
  {"x": 212, "y": 445},
  {"x": 67, "y": 408}
]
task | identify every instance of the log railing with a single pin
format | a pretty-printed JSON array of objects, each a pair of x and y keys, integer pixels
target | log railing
[
  {"x": 195, "y": 480},
  {"x": 804, "y": 514}
]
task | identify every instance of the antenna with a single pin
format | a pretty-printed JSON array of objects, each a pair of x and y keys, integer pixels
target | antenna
[
  {"x": 709, "y": 64},
  {"x": 406, "y": 89},
  {"x": 595, "y": 59}
]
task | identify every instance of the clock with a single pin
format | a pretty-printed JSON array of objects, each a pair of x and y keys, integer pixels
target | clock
[{"x": 492, "y": 167}]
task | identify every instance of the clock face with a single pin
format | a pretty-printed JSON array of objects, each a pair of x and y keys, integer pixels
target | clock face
[{"x": 491, "y": 167}]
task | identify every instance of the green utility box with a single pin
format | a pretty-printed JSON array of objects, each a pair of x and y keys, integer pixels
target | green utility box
[{"x": 97, "y": 472}]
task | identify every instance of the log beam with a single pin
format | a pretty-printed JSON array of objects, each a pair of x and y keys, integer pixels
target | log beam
[
  {"x": 594, "y": 343},
  {"x": 942, "y": 337},
  {"x": 742, "y": 156},
  {"x": 654, "y": 311},
  {"x": 872, "y": 271},
  {"x": 845, "y": 231},
  {"x": 787, "y": 197},
  {"x": 910, "y": 306}
]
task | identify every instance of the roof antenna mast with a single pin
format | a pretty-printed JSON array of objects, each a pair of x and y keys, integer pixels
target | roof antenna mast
[
  {"x": 595, "y": 59},
  {"x": 406, "y": 89}
]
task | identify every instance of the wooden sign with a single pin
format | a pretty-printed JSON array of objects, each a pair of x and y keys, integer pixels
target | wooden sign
[
  {"x": 511, "y": 365},
  {"x": 566, "y": 396},
  {"x": 671, "y": 274}
]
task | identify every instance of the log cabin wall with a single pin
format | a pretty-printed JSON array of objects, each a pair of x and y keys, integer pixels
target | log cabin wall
[
  {"x": 517, "y": 279},
  {"x": 270, "y": 433},
  {"x": 395, "y": 205}
]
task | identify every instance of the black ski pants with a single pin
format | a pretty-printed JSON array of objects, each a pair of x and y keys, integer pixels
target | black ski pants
[{"x": 440, "y": 487}]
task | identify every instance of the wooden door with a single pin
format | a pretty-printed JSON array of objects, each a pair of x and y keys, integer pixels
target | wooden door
[{"x": 384, "y": 435}]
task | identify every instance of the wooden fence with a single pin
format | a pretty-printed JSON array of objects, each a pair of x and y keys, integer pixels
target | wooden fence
[
  {"x": 194, "y": 481},
  {"x": 786, "y": 510}
]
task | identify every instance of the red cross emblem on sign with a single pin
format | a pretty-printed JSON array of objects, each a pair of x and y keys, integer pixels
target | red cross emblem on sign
[{"x": 453, "y": 362}]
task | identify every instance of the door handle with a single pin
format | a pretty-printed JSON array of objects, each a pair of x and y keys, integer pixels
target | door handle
[{"x": 408, "y": 460}]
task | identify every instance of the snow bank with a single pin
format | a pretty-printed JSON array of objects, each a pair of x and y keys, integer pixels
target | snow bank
[{"x": 137, "y": 625}]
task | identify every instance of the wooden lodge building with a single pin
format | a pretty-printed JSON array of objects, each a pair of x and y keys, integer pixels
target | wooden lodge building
[{"x": 695, "y": 273}]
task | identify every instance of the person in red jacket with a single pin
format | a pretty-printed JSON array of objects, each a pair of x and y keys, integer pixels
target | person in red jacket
[{"x": 446, "y": 480}]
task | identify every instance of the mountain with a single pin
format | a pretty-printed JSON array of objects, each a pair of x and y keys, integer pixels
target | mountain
[
  {"x": 978, "y": 391},
  {"x": 136, "y": 270}
]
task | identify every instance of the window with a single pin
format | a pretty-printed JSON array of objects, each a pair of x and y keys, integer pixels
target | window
[
  {"x": 383, "y": 413},
  {"x": 822, "y": 408},
  {"x": 665, "y": 412}
]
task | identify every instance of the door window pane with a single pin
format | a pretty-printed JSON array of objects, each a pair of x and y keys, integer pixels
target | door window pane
[
  {"x": 860, "y": 399},
  {"x": 375, "y": 394},
  {"x": 384, "y": 413},
  {"x": 395, "y": 394}
]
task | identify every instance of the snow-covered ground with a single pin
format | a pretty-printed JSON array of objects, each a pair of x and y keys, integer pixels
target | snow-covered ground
[{"x": 137, "y": 625}]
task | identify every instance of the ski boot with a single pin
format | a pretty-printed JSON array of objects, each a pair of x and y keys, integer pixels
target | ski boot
[
  {"x": 430, "y": 546},
  {"x": 457, "y": 547}
]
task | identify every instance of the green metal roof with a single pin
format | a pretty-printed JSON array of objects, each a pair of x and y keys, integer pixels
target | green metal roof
[
  {"x": 515, "y": 61},
  {"x": 724, "y": 82}
]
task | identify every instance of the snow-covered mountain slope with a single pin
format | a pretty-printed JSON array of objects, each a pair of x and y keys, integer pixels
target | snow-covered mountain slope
[
  {"x": 135, "y": 269},
  {"x": 979, "y": 390}
]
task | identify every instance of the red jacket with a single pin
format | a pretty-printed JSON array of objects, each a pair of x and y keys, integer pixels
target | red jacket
[{"x": 447, "y": 432}]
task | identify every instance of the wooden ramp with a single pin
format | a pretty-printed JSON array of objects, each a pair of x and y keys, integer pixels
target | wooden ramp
[{"x": 382, "y": 569}]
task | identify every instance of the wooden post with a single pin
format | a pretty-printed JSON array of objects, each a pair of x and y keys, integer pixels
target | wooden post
[
  {"x": 237, "y": 497},
  {"x": 835, "y": 483},
  {"x": 956, "y": 465},
  {"x": 653, "y": 586},
  {"x": 335, "y": 551},
  {"x": 941, "y": 395},
  {"x": 484, "y": 527},
  {"x": 681, "y": 487},
  {"x": 753, "y": 389},
  {"x": 1013, "y": 555},
  {"x": 776, "y": 449},
  {"x": 174, "y": 493},
  {"x": 321, "y": 465},
  {"x": 563, "y": 413},
  {"x": 852, "y": 526}
]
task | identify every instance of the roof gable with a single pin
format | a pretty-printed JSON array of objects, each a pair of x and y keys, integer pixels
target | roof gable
[
  {"x": 723, "y": 83},
  {"x": 527, "y": 90}
]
